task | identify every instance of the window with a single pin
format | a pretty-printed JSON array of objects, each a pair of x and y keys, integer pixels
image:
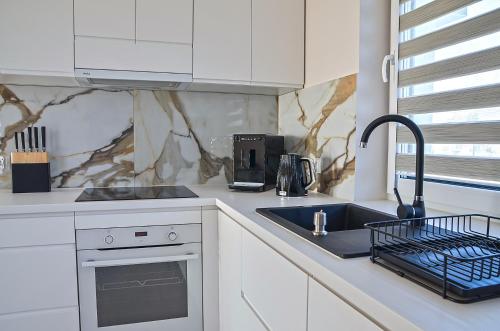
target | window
[{"x": 448, "y": 82}]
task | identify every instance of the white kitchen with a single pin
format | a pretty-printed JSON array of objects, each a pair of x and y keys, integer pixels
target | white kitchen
[{"x": 249, "y": 165}]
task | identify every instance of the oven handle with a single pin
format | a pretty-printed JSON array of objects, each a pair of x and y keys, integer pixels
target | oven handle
[{"x": 122, "y": 262}]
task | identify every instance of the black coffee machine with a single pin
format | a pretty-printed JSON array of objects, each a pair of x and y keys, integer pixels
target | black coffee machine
[{"x": 256, "y": 161}]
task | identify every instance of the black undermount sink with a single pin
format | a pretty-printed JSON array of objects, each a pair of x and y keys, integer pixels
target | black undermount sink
[{"x": 347, "y": 237}]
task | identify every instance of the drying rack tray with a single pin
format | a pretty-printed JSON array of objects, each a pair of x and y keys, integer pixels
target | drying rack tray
[{"x": 456, "y": 254}]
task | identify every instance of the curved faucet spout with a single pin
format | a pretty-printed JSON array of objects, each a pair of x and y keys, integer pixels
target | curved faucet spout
[{"x": 419, "y": 170}]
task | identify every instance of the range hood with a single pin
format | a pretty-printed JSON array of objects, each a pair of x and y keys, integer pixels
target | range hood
[{"x": 132, "y": 79}]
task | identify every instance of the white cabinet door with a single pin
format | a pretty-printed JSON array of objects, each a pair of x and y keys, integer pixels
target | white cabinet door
[
  {"x": 37, "y": 231},
  {"x": 328, "y": 312},
  {"x": 210, "y": 248},
  {"x": 249, "y": 320},
  {"x": 63, "y": 319},
  {"x": 105, "y": 18},
  {"x": 134, "y": 35},
  {"x": 274, "y": 288},
  {"x": 234, "y": 313},
  {"x": 169, "y": 21},
  {"x": 229, "y": 273},
  {"x": 222, "y": 40},
  {"x": 38, "y": 277},
  {"x": 278, "y": 41},
  {"x": 36, "y": 37}
]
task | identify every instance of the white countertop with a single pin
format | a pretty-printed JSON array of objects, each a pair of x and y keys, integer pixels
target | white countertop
[{"x": 395, "y": 302}]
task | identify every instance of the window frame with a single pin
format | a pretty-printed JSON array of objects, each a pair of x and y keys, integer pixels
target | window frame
[{"x": 449, "y": 198}]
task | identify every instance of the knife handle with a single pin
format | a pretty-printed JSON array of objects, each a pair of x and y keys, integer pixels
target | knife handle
[
  {"x": 23, "y": 143},
  {"x": 35, "y": 133},
  {"x": 44, "y": 146},
  {"x": 17, "y": 141},
  {"x": 30, "y": 138}
]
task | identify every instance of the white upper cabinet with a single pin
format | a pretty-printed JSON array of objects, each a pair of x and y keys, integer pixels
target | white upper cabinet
[
  {"x": 36, "y": 38},
  {"x": 249, "y": 42},
  {"x": 333, "y": 38},
  {"x": 105, "y": 18},
  {"x": 278, "y": 42},
  {"x": 168, "y": 21},
  {"x": 222, "y": 40},
  {"x": 328, "y": 312},
  {"x": 134, "y": 35}
]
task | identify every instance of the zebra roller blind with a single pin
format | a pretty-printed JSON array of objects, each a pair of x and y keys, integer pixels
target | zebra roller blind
[{"x": 449, "y": 84}]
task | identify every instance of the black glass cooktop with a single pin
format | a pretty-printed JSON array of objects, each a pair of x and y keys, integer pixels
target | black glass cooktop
[{"x": 135, "y": 193}]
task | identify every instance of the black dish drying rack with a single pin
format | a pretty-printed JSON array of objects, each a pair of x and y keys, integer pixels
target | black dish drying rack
[{"x": 455, "y": 256}]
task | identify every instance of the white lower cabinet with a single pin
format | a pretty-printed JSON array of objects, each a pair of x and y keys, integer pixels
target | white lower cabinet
[
  {"x": 260, "y": 290},
  {"x": 274, "y": 288},
  {"x": 327, "y": 312},
  {"x": 64, "y": 319},
  {"x": 230, "y": 304},
  {"x": 234, "y": 313},
  {"x": 38, "y": 282},
  {"x": 39, "y": 277}
]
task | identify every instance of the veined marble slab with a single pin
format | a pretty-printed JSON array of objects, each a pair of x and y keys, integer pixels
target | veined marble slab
[
  {"x": 320, "y": 122},
  {"x": 186, "y": 137},
  {"x": 89, "y": 132},
  {"x": 102, "y": 137}
]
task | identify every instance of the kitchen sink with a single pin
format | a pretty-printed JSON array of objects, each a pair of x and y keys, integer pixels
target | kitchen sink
[{"x": 347, "y": 237}]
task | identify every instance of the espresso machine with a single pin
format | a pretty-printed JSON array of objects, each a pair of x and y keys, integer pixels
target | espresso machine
[{"x": 256, "y": 161}]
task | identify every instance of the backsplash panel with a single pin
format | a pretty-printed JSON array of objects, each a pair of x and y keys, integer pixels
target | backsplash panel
[
  {"x": 186, "y": 137},
  {"x": 320, "y": 122},
  {"x": 99, "y": 137},
  {"x": 89, "y": 132}
]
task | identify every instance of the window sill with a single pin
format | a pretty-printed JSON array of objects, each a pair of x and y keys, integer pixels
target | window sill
[{"x": 454, "y": 199}]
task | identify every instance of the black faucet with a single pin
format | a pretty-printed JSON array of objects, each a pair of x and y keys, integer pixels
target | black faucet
[{"x": 417, "y": 209}]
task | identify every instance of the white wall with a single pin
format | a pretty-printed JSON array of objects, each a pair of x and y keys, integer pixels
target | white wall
[
  {"x": 332, "y": 39},
  {"x": 373, "y": 99}
]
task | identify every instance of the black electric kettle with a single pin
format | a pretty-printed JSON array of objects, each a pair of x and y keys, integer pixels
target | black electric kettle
[{"x": 295, "y": 175}]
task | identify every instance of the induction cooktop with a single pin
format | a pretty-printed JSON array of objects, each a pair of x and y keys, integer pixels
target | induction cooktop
[{"x": 135, "y": 193}]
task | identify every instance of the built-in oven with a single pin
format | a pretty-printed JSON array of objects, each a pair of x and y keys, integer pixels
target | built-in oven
[{"x": 140, "y": 278}]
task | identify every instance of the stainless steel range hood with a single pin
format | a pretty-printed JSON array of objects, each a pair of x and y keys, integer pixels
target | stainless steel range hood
[{"x": 132, "y": 79}]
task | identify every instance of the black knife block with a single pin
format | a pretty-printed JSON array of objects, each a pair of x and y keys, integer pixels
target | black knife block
[{"x": 30, "y": 172}]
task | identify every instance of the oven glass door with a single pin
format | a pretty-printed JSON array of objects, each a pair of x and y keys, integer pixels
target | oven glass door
[{"x": 141, "y": 289}]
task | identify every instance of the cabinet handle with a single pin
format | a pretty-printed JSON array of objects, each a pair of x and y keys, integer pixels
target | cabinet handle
[
  {"x": 158, "y": 259},
  {"x": 387, "y": 59},
  {"x": 256, "y": 313}
]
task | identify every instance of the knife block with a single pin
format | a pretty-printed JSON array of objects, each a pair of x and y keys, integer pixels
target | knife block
[{"x": 30, "y": 172}]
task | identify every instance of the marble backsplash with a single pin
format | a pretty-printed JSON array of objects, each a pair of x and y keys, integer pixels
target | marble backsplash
[
  {"x": 320, "y": 122},
  {"x": 99, "y": 137}
]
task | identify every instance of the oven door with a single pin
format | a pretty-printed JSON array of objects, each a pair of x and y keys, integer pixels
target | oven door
[{"x": 141, "y": 289}]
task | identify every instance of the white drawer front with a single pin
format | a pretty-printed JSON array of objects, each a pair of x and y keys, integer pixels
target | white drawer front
[
  {"x": 274, "y": 288},
  {"x": 132, "y": 219},
  {"x": 65, "y": 319},
  {"x": 120, "y": 54},
  {"x": 53, "y": 230},
  {"x": 41, "y": 277},
  {"x": 328, "y": 312}
]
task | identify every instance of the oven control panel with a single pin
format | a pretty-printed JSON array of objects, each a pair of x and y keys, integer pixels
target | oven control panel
[{"x": 138, "y": 236}]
